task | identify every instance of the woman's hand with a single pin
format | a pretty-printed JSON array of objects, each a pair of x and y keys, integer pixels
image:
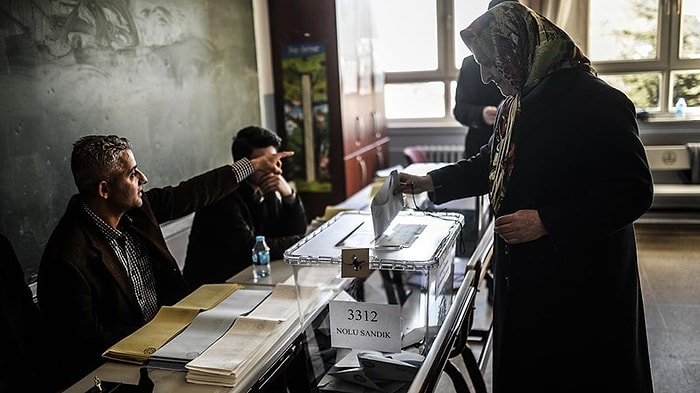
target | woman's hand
[
  {"x": 412, "y": 184},
  {"x": 520, "y": 227}
]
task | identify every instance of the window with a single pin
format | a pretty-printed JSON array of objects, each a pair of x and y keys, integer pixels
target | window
[
  {"x": 650, "y": 49},
  {"x": 419, "y": 47}
]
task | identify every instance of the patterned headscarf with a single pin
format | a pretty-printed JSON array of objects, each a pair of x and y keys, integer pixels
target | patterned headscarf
[{"x": 524, "y": 47}]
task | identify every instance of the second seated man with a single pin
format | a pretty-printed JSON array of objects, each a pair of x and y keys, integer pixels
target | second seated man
[{"x": 223, "y": 234}]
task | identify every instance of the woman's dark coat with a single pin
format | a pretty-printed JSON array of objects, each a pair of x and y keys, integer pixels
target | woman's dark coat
[{"x": 568, "y": 311}]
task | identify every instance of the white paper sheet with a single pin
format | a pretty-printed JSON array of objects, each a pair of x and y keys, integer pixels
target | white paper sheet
[
  {"x": 385, "y": 205},
  {"x": 208, "y": 326}
]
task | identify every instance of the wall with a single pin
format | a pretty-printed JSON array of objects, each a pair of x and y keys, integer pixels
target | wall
[
  {"x": 401, "y": 137},
  {"x": 176, "y": 77}
]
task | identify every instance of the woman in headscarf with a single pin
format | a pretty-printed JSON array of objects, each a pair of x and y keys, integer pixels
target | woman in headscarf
[{"x": 567, "y": 176}]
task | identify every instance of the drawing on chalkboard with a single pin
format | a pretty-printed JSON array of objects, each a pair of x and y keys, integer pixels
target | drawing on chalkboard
[
  {"x": 104, "y": 34},
  {"x": 174, "y": 76}
]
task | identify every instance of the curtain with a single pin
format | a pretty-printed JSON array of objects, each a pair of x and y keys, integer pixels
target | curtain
[{"x": 570, "y": 15}]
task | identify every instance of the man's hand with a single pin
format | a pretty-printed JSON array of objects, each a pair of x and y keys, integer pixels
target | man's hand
[
  {"x": 272, "y": 183},
  {"x": 270, "y": 163},
  {"x": 489, "y": 114},
  {"x": 520, "y": 227},
  {"x": 412, "y": 184}
]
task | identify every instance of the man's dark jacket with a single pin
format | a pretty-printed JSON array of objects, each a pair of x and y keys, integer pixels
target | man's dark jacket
[
  {"x": 83, "y": 289},
  {"x": 223, "y": 234}
]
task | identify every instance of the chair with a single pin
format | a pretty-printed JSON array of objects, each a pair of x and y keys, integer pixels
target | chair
[
  {"x": 414, "y": 154},
  {"x": 26, "y": 351}
]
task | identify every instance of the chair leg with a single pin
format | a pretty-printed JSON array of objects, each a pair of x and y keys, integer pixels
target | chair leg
[
  {"x": 455, "y": 375},
  {"x": 473, "y": 370},
  {"x": 388, "y": 286}
]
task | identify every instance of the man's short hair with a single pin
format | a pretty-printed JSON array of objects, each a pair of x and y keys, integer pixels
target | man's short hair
[
  {"x": 96, "y": 158},
  {"x": 253, "y": 137}
]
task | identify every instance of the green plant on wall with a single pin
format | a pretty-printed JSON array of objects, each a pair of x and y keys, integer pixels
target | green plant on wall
[{"x": 305, "y": 96}]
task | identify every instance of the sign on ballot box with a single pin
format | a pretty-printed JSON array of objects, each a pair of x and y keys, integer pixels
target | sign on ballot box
[{"x": 372, "y": 326}]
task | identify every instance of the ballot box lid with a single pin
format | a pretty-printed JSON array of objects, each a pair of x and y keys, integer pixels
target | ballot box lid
[{"x": 415, "y": 240}]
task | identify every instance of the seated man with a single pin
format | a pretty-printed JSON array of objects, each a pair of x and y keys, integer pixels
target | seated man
[
  {"x": 223, "y": 233},
  {"x": 106, "y": 269}
]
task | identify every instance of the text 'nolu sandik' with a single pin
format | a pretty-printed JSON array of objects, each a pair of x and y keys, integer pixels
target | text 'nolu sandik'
[{"x": 363, "y": 333}]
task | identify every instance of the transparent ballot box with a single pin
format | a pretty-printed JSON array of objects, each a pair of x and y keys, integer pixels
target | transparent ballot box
[{"x": 370, "y": 308}]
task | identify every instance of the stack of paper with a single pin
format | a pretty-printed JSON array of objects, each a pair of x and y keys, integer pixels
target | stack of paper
[
  {"x": 205, "y": 329},
  {"x": 250, "y": 338},
  {"x": 234, "y": 353},
  {"x": 170, "y": 320}
]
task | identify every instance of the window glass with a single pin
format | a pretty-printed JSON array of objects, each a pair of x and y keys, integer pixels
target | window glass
[
  {"x": 685, "y": 84},
  {"x": 690, "y": 30},
  {"x": 464, "y": 13},
  {"x": 635, "y": 44},
  {"x": 406, "y": 40},
  {"x": 623, "y": 30},
  {"x": 641, "y": 88},
  {"x": 414, "y": 100}
]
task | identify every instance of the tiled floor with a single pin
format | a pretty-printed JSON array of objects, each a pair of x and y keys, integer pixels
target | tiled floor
[{"x": 669, "y": 261}]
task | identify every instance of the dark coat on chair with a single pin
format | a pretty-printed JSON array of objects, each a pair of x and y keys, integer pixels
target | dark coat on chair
[
  {"x": 26, "y": 355},
  {"x": 568, "y": 311},
  {"x": 83, "y": 289}
]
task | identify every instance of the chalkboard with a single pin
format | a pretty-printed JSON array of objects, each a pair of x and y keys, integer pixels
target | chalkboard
[{"x": 176, "y": 77}]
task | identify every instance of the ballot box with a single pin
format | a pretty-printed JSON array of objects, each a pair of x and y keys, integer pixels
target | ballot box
[{"x": 364, "y": 299}]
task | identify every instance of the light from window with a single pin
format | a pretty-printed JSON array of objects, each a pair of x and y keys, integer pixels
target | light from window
[
  {"x": 642, "y": 88},
  {"x": 690, "y": 30},
  {"x": 407, "y": 40},
  {"x": 623, "y": 30},
  {"x": 464, "y": 14},
  {"x": 414, "y": 100},
  {"x": 686, "y": 84}
]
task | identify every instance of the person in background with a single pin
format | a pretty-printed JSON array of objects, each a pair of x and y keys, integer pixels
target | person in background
[
  {"x": 476, "y": 103},
  {"x": 567, "y": 176},
  {"x": 26, "y": 359},
  {"x": 223, "y": 233},
  {"x": 106, "y": 269}
]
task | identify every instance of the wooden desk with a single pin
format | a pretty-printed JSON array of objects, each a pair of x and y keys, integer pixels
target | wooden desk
[
  {"x": 449, "y": 342},
  {"x": 167, "y": 381},
  {"x": 279, "y": 273}
]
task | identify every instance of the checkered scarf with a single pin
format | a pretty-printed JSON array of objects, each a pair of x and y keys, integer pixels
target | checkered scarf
[{"x": 524, "y": 47}]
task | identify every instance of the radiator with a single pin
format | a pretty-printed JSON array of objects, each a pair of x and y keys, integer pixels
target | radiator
[{"x": 443, "y": 153}]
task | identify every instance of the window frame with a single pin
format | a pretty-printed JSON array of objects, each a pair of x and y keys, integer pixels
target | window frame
[
  {"x": 668, "y": 30},
  {"x": 668, "y": 60},
  {"x": 446, "y": 71}
]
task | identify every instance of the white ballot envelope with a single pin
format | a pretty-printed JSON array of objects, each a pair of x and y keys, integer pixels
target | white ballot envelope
[{"x": 385, "y": 205}]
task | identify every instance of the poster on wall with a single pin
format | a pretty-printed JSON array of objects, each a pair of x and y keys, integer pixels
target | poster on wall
[{"x": 305, "y": 99}]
